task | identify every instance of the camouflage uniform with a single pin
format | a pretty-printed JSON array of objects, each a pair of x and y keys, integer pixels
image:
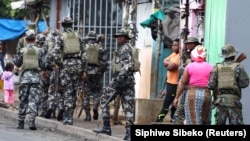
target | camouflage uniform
[
  {"x": 55, "y": 98},
  {"x": 72, "y": 67},
  {"x": 29, "y": 90},
  {"x": 93, "y": 83},
  {"x": 22, "y": 42},
  {"x": 122, "y": 83},
  {"x": 41, "y": 43},
  {"x": 228, "y": 104}
]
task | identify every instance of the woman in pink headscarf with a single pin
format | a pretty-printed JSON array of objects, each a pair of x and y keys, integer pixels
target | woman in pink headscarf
[{"x": 198, "y": 98}]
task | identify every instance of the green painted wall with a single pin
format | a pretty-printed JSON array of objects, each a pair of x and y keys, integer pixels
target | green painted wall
[{"x": 215, "y": 26}]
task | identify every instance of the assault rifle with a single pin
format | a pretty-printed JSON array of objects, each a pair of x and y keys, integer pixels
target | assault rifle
[
  {"x": 107, "y": 102},
  {"x": 241, "y": 57}
]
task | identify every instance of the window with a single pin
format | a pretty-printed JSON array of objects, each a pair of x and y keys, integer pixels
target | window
[{"x": 102, "y": 16}]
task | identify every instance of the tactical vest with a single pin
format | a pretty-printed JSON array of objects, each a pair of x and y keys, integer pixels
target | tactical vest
[
  {"x": 50, "y": 45},
  {"x": 117, "y": 66},
  {"x": 226, "y": 76},
  {"x": 71, "y": 43},
  {"x": 30, "y": 58},
  {"x": 92, "y": 51}
]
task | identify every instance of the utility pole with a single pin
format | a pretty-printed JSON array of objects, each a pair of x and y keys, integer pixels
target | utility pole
[{"x": 186, "y": 30}]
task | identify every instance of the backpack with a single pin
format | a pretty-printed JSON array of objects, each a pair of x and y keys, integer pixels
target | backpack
[
  {"x": 30, "y": 58},
  {"x": 135, "y": 58},
  {"x": 92, "y": 51},
  {"x": 226, "y": 76},
  {"x": 71, "y": 43}
]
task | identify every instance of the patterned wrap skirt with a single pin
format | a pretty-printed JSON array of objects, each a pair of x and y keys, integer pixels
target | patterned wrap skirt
[{"x": 198, "y": 106}]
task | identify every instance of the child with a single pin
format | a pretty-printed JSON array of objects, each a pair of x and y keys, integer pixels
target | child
[{"x": 8, "y": 85}]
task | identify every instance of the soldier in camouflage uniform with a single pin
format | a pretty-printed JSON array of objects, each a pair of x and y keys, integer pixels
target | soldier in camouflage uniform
[
  {"x": 55, "y": 98},
  {"x": 122, "y": 83},
  {"x": 97, "y": 65},
  {"x": 226, "y": 80},
  {"x": 190, "y": 44},
  {"x": 41, "y": 43},
  {"x": 69, "y": 56},
  {"x": 22, "y": 42},
  {"x": 30, "y": 58}
]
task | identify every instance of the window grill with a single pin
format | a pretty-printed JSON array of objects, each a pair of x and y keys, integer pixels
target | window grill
[{"x": 101, "y": 16}]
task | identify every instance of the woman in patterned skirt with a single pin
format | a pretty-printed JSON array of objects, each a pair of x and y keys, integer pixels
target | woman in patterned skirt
[{"x": 198, "y": 98}]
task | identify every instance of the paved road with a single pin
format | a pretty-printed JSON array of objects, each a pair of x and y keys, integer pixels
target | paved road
[
  {"x": 8, "y": 132},
  {"x": 79, "y": 128}
]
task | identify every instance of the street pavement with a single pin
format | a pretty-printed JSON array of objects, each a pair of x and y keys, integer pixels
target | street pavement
[{"x": 79, "y": 128}]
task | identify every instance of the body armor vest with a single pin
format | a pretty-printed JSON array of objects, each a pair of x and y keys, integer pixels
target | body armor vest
[
  {"x": 30, "y": 58},
  {"x": 226, "y": 76},
  {"x": 116, "y": 65},
  {"x": 92, "y": 51},
  {"x": 71, "y": 43}
]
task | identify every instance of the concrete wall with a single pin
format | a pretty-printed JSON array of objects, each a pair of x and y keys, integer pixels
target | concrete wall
[{"x": 237, "y": 33}]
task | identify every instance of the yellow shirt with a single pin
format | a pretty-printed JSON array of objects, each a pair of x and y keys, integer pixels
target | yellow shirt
[{"x": 172, "y": 76}]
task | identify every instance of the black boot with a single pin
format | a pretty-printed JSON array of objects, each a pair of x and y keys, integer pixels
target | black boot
[
  {"x": 53, "y": 115},
  {"x": 20, "y": 124},
  {"x": 127, "y": 136},
  {"x": 95, "y": 116},
  {"x": 105, "y": 129},
  {"x": 60, "y": 114},
  {"x": 88, "y": 116},
  {"x": 32, "y": 125},
  {"x": 48, "y": 113}
]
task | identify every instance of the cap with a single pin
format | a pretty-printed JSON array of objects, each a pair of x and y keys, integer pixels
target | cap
[
  {"x": 91, "y": 35},
  {"x": 228, "y": 51},
  {"x": 191, "y": 40},
  {"x": 199, "y": 53},
  {"x": 66, "y": 20},
  {"x": 30, "y": 34},
  {"x": 40, "y": 38},
  {"x": 122, "y": 32}
]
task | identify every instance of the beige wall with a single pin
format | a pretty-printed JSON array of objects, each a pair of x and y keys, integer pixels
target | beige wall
[{"x": 144, "y": 81}]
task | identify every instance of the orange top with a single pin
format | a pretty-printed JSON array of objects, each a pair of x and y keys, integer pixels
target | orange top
[{"x": 172, "y": 76}]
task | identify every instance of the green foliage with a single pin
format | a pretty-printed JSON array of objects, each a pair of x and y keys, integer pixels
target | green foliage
[{"x": 7, "y": 12}]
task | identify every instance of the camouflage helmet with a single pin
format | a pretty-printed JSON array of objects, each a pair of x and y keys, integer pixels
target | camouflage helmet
[
  {"x": 122, "y": 32},
  {"x": 91, "y": 35},
  {"x": 54, "y": 32},
  {"x": 40, "y": 38},
  {"x": 228, "y": 51},
  {"x": 66, "y": 20},
  {"x": 191, "y": 40},
  {"x": 30, "y": 34}
]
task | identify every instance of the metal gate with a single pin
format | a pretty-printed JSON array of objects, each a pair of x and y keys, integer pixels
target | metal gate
[{"x": 101, "y": 16}]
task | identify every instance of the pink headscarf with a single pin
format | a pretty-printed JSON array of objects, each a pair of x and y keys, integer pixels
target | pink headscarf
[{"x": 199, "y": 54}]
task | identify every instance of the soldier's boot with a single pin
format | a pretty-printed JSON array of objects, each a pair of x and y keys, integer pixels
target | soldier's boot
[
  {"x": 68, "y": 116},
  {"x": 20, "y": 124},
  {"x": 127, "y": 136},
  {"x": 95, "y": 116},
  {"x": 49, "y": 112},
  {"x": 162, "y": 115},
  {"x": 60, "y": 113},
  {"x": 53, "y": 115},
  {"x": 105, "y": 129},
  {"x": 32, "y": 125},
  {"x": 88, "y": 116}
]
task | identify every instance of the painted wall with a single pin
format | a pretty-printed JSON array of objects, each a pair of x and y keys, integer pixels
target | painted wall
[{"x": 237, "y": 33}]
